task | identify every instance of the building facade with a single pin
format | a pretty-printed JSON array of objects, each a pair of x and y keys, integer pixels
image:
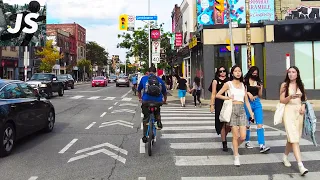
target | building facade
[
  {"x": 296, "y": 9},
  {"x": 9, "y": 62}
]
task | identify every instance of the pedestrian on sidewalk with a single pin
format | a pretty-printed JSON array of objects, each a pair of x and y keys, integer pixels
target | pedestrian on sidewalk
[
  {"x": 216, "y": 105},
  {"x": 182, "y": 90},
  {"x": 253, "y": 84},
  {"x": 292, "y": 94},
  {"x": 238, "y": 94},
  {"x": 196, "y": 91}
]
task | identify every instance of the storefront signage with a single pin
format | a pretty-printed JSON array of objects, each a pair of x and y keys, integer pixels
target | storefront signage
[
  {"x": 193, "y": 42},
  {"x": 178, "y": 39},
  {"x": 9, "y": 63},
  {"x": 259, "y": 10}
]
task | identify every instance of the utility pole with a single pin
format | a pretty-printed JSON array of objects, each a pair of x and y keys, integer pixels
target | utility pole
[
  {"x": 149, "y": 35},
  {"x": 230, "y": 34},
  {"x": 248, "y": 33}
]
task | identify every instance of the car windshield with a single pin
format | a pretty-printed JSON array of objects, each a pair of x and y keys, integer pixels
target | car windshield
[
  {"x": 113, "y": 77},
  {"x": 62, "y": 76},
  {"x": 99, "y": 78},
  {"x": 41, "y": 77}
]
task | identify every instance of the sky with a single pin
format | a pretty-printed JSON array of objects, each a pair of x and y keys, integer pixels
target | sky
[{"x": 100, "y": 17}]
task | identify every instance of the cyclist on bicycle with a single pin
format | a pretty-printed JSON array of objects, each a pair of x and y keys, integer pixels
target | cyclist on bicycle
[
  {"x": 154, "y": 92},
  {"x": 134, "y": 81}
]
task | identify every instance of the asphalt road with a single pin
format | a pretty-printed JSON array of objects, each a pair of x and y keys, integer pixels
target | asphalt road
[{"x": 97, "y": 136}]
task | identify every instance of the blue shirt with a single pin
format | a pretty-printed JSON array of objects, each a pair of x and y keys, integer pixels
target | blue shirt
[
  {"x": 147, "y": 97},
  {"x": 134, "y": 80}
]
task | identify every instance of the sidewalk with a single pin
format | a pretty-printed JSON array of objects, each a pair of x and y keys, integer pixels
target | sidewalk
[{"x": 268, "y": 105}]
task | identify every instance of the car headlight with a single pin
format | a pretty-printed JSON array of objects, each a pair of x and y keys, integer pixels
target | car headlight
[{"x": 42, "y": 85}]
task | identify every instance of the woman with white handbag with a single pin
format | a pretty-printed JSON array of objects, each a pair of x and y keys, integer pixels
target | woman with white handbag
[
  {"x": 292, "y": 94},
  {"x": 233, "y": 109}
]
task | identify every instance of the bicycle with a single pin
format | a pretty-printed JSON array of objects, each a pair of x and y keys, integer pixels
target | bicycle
[
  {"x": 134, "y": 89},
  {"x": 151, "y": 133}
]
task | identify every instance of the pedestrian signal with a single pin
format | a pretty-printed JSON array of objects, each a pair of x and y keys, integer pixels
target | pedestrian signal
[
  {"x": 123, "y": 22},
  {"x": 228, "y": 46},
  {"x": 219, "y": 5}
]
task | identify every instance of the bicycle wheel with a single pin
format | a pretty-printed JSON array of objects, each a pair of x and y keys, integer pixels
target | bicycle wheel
[{"x": 150, "y": 137}]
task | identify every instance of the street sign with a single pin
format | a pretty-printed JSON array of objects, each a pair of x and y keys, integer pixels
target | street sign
[
  {"x": 117, "y": 122},
  {"x": 102, "y": 150},
  {"x": 131, "y": 22},
  {"x": 156, "y": 47},
  {"x": 147, "y": 18},
  {"x": 155, "y": 58}
]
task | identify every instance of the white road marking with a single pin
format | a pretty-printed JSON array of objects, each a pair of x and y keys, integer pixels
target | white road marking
[
  {"x": 188, "y": 122},
  {"x": 142, "y": 126},
  {"x": 109, "y": 98},
  {"x": 126, "y": 94},
  {"x": 141, "y": 114},
  {"x": 213, "y": 135},
  {"x": 218, "y": 145},
  {"x": 110, "y": 107},
  {"x": 123, "y": 151},
  {"x": 105, "y": 151},
  {"x": 142, "y": 178},
  {"x": 142, "y": 147},
  {"x": 189, "y": 117},
  {"x": 115, "y": 103},
  {"x": 245, "y": 159},
  {"x": 185, "y": 114},
  {"x": 187, "y": 128},
  {"x": 76, "y": 97},
  {"x": 181, "y": 112},
  {"x": 94, "y": 97},
  {"x": 68, "y": 146},
  {"x": 260, "y": 177},
  {"x": 128, "y": 104},
  {"x": 90, "y": 125},
  {"x": 33, "y": 178},
  {"x": 126, "y": 99},
  {"x": 103, "y": 114}
]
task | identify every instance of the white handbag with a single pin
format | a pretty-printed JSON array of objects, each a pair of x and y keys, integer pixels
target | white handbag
[
  {"x": 278, "y": 115},
  {"x": 226, "y": 110}
]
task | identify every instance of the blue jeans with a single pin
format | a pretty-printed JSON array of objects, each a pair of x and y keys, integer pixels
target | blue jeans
[{"x": 256, "y": 107}]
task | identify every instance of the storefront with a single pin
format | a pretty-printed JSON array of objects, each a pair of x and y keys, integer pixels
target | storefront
[{"x": 9, "y": 68}]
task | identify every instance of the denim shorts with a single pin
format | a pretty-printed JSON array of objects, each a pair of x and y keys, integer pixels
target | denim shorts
[
  {"x": 256, "y": 109},
  {"x": 182, "y": 93}
]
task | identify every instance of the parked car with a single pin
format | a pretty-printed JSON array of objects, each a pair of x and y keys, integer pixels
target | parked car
[
  {"x": 48, "y": 83},
  {"x": 99, "y": 81},
  {"x": 22, "y": 112},
  {"x": 67, "y": 80},
  {"x": 113, "y": 78},
  {"x": 123, "y": 81}
]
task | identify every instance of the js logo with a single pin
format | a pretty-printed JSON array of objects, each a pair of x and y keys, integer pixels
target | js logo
[{"x": 28, "y": 21}]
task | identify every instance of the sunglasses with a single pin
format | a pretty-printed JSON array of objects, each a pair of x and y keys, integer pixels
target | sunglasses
[{"x": 221, "y": 71}]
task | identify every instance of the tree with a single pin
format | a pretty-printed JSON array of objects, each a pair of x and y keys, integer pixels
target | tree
[
  {"x": 49, "y": 56},
  {"x": 84, "y": 64},
  {"x": 96, "y": 54},
  {"x": 137, "y": 45}
]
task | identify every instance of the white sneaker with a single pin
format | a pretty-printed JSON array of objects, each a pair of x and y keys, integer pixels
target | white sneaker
[
  {"x": 303, "y": 170},
  {"x": 286, "y": 162},
  {"x": 248, "y": 145},
  {"x": 236, "y": 161}
]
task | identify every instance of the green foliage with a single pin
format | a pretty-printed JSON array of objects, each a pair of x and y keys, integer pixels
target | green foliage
[
  {"x": 137, "y": 45},
  {"x": 84, "y": 64},
  {"x": 96, "y": 54}
]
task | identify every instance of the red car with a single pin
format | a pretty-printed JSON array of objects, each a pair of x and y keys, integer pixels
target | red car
[{"x": 99, "y": 81}]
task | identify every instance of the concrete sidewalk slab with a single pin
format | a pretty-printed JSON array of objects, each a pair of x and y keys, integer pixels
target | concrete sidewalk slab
[{"x": 268, "y": 105}]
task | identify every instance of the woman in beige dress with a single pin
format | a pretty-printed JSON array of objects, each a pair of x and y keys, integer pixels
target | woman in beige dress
[{"x": 292, "y": 94}]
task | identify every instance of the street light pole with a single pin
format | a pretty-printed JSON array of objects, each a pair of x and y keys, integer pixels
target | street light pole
[
  {"x": 248, "y": 33},
  {"x": 149, "y": 34}
]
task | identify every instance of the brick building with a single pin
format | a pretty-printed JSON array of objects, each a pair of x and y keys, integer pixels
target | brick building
[
  {"x": 9, "y": 62},
  {"x": 77, "y": 40}
]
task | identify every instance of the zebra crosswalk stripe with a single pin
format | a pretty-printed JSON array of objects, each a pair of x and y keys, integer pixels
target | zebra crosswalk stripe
[{"x": 191, "y": 134}]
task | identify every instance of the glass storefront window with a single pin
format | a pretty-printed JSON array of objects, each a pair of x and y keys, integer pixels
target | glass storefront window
[
  {"x": 223, "y": 56},
  {"x": 304, "y": 61},
  {"x": 316, "y": 47}
]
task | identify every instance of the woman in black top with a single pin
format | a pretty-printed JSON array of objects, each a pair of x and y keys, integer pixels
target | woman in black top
[
  {"x": 216, "y": 104},
  {"x": 253, "y": 84},
  {"x": 182, "y": 90}
]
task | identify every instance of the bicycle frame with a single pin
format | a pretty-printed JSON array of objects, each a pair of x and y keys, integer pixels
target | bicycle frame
[{"x": 151, "y": 131}]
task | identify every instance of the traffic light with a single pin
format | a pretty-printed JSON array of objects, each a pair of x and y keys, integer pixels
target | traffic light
[
  {"x": 228, "y": 46},
  {"x": 123, "y": 22},
  {"x": 219, "y": 5}
]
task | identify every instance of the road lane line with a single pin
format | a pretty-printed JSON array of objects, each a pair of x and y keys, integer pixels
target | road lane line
[
  {"x": 142, "y": 147},
  {"x": 90, "y": 125},
  {"x": 115, "y": 103},
  {"x": 142, "y": 178},
  {"x": 33, "y": 178},
  {"x": 68, "y": 146},
  {"x": 260, "y": 177},
  {"x": 126, "y": 94},
  {"x": 141, "y": 126},
  {"x": 110, "y": 107},
  {"x": 103, "y": 114}
]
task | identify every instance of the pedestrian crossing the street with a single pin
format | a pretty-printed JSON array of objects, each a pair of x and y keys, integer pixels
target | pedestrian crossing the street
[
  {"x": 101, "y": 98},
  {"x": 190, "y": 133}
]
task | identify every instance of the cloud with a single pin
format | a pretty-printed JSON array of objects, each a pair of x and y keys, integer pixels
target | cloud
[{"x": 100, "y": 17}]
